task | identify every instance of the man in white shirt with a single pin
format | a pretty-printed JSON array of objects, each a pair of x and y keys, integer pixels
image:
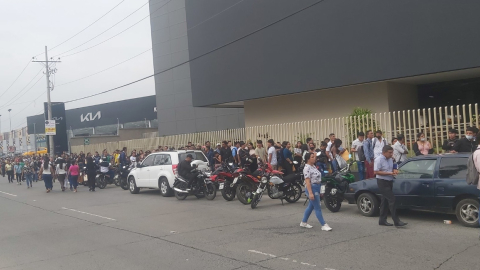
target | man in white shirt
[
  {"x": 355, "y": 147},
  {"x": 329, "y": 146},
  {"x": 272, "y": 154},
  {"x": 378, "y": 143},
  {"x": 400, "y": 151}
]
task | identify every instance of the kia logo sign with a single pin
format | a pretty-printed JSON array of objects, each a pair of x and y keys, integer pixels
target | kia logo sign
[{"x": 90, "y": 117}]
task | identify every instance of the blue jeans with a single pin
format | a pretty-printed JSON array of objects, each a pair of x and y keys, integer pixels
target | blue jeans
[
  {"x": 47, "y": 179},
  {"x": 322, "y": 167},
  {"x": 315, "y": 204},
  {"x": 73, "y": 179},
  {"x": 361, "y": 169},
  {"x": 334, "y": 165},
  {"x": 29, "y": 178}
]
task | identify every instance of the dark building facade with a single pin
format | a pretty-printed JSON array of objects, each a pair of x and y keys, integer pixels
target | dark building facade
[
  {"x": 170, "y": 45},
  {"x": 285, "y": 56},
  {"x": 104, "y": 119}
]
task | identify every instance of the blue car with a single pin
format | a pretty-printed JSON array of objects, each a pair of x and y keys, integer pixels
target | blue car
[{"x": 433, "y": 182}]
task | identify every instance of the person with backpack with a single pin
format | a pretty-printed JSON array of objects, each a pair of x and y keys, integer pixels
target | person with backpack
[
  {"x": 357, "y": 148},
  {"x": 378, "y": 143}
]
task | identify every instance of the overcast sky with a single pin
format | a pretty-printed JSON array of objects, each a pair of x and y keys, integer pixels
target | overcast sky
[{"x": 29, "y": 25}]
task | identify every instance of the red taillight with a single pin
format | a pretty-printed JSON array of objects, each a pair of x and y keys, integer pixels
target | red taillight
[{"x": 174, "y": 169}]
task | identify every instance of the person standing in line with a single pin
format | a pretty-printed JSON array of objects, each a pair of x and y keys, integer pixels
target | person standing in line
[
  {"x": 28, "y": 173},
  {"x": 329, "y": 149},
  {"x": 378, "y": 143},
  {"x": 356, "y": 145},
  {"x": 91, "y": 173},
  {"x": 47, "y": 171},
  {"x": 313, "y": 183},
  {"x": 208, "y": 151},
  {"x": 298, "y": 151},
  {"x": 73, "y": 172},
  {"x": 10, "y": 171},
  {"x": 272, "y": 154},
  {"x": 61, "y": 173},
  {"x": 3, "y": 168},
  {"x": 385, "y": 173},
  {"x": 369, "y": 156},
  {"x": 288, "y": 158},
  {"x": 218, "y": 148},
  {"x": 449, "y": 144},
  {"x": 422, "y": 146},
  {"x": 467, "y": 144},
  {"x": 18, "y": 172},
  {"x": 400, "y": 151},
  {"x": 261, "y": 152},
  {"x": 226, "y": 152},
  {"x": 322, "y": 158}
]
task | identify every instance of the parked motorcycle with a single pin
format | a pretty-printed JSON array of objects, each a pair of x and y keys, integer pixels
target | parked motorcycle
[
  {"x": 225, "y": 176},
  {"x": 104, "y": 178},
  {"x": 247, "y": 183},
  {"x": 277, "y": 188},
  {"x": 203, "y": 187},
  {"x": 334, "y": 187},
  {"x": 121, "y": 176}
]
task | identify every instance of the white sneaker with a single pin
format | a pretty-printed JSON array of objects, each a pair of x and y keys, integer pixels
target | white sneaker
[
  {"x": 326, "y": 228},
  {"x": 305, "y": 225}
]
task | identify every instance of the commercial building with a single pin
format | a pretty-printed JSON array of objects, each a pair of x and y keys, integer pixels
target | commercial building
[
  {"x": 170, "y": 42},
  {"x": 291, "y": 61}
]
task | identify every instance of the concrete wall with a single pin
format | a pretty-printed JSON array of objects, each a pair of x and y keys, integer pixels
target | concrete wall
[
  {"x": 334, "y": 43},
  {"x": 330, "y": 103},
  {"x": 124, "y": 135},
  {"x": 175, "y": 111}
]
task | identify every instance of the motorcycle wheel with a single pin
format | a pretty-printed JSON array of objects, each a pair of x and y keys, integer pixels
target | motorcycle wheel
[
  {"x": 332, "y": 202},
  {"x": 211, "y": 191},
  {"x": 124, "y": 184},
  {"x": 180, "y": 195},
  {"x": 116, "y": 180},
  {"x": 294, "y": 193},
  {"x": 244, "y": 192},
  {"x": 228, "y": 193},
  {"x": 102, "y": 183},
  {"x": 270, "y": 192},
  {"x": 256, "y": 199}
]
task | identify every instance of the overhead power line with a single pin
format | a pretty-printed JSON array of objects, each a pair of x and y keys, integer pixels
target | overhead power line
[
  {"x": 81, "y": 31},
  {"x": 19, "y": 92},
  {"x": 211, "y": 17},
  {"x": 91, "y": 47},
  {"x": 11, "y": 103},
  {"x": 103, "y": 70},
  {"x": 16, "y": 79},
  {"x": 202, "y": 55}
]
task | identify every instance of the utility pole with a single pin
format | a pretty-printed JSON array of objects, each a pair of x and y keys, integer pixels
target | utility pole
[
  {"x": 35, "y": 138},
  {"x": 10, "y": 116},
  {"x": 48, "y": 71}
]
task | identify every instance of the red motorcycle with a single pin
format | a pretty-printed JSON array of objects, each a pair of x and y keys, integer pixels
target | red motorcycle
[
  {"x": 249, "y": 182},
  {"x": 225, "y": 176}
]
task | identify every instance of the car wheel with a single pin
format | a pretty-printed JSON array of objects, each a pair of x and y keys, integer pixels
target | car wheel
[
  {"x": 368, "y": 204},
  {"x": 133, "y": 186},
  {"x": 165, "y": 188},
  {"x": 467, "y": 212}
]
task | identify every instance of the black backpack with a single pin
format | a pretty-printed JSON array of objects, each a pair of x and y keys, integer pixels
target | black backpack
[{"x": 361, "y": 154}]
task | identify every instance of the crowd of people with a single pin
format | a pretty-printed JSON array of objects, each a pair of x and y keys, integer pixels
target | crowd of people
[{"x": 374, "y": 156}]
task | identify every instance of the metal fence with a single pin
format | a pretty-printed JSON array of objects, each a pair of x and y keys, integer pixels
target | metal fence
[{"x": 434, "y": 122}]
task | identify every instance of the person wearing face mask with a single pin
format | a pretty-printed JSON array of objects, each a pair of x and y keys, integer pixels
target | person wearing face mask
[
  {"x": 467, "y": 144},
  {"x": 449, "y": 144},
  {"x": 422, "y": 146}
]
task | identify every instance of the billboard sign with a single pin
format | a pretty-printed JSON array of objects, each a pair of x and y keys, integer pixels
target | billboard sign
[{"x": 50, "y": 127}]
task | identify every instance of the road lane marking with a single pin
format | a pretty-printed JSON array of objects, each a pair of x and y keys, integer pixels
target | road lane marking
[
  {"x": 8, "y": 194},
  {"x": 285, "y": 259},
  {"x": 88, "y": 213}
]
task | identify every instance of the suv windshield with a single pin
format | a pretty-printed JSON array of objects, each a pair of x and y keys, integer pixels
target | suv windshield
[{"x": 196, "y": 156}]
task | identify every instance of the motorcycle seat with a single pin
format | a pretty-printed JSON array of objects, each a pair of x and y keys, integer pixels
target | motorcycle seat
[{"x": 182, "y": 178}]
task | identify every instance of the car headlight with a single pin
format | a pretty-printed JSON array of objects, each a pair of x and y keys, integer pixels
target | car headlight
[{"x": 264, "y": 180}]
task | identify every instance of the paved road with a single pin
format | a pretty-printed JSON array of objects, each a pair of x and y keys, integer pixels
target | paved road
[{"x": 113, "y": 229}]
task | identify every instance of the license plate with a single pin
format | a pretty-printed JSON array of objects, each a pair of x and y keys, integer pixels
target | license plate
[
  {"x": 322, "y": 190},
  {"x": 220, "y": 186}
]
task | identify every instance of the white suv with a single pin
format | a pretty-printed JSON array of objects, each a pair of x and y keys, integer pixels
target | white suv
[{"x": 158, "y": 170}]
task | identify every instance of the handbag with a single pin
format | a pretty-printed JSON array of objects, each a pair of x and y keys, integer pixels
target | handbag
[{"x": 341, "y": 162}]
